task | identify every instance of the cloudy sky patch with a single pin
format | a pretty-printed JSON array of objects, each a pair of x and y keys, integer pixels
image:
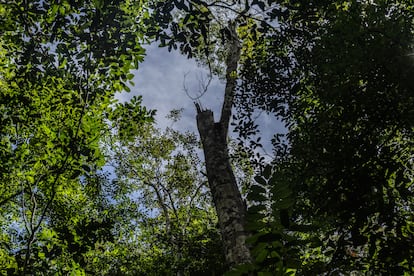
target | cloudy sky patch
[{"x": 162, "y": 80}]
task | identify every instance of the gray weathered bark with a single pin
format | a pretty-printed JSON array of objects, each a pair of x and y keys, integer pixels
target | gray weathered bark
[{"x": 229, "y": 205}]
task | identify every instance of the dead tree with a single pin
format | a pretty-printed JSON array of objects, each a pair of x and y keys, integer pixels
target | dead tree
[{"x": 227, "y": 199}]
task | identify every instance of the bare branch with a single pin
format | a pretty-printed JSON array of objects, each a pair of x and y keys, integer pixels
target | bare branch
[{"x": 203, "y": 86}]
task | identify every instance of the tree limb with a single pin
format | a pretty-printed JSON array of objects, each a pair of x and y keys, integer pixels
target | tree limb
[{"x": 233, "y": 56}]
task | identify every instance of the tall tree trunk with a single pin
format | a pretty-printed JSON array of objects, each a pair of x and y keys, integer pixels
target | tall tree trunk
[
  {"x": 229, "y": 205},
  {"x": 226, "y": 196}
]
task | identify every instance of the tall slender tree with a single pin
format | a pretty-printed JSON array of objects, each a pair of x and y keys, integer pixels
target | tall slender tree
[
  {"x": 197, "y": 28},
  {"x": 231, "y": 209}
]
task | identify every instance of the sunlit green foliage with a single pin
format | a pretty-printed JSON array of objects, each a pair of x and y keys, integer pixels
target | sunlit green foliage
[
  {"x": 59, "y": 71},
  {"x": 161, "y": 183}
]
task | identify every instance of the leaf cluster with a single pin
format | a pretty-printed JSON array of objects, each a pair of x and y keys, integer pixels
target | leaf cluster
[{"x": 337, "y": 74}]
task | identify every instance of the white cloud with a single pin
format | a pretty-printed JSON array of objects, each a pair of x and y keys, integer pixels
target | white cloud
[{"x": 160, "y": 80}]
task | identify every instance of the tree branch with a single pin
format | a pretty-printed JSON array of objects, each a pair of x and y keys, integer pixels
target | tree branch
[{"x": 233, "y": 56}]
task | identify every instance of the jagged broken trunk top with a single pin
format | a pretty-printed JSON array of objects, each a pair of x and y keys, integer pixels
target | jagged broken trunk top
[{"x": 229, "y": 205}]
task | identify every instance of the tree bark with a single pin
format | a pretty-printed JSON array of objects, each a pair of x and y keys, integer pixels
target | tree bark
[{"x": 227, "y": 199}]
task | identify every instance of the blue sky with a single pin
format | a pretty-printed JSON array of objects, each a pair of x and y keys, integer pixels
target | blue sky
[{"x": 160, "y": 80}]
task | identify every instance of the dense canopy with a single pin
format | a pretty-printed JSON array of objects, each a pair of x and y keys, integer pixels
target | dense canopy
[{"x": 91, "y": 186}]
